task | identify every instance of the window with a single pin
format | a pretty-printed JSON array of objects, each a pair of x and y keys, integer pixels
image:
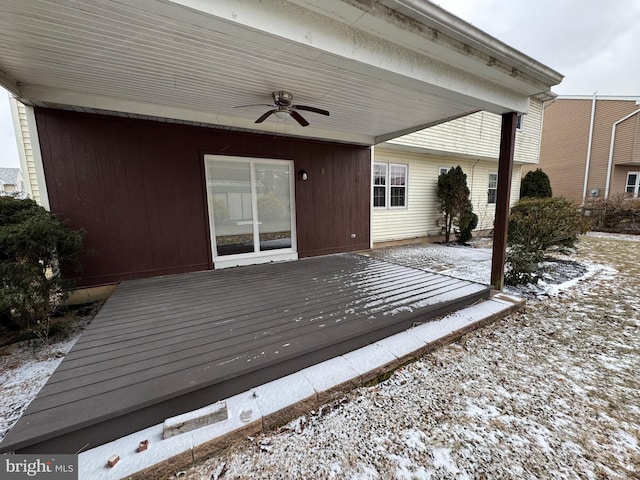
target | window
[
  {"x": 442, "y": 170},
  {"x": 492, "y": 192},
  {"x": 380, "y": 184},
  {"x": 389, "y": 185},
  {"x": 633, "y": 179},
  {"x": 519, "y": 122}
]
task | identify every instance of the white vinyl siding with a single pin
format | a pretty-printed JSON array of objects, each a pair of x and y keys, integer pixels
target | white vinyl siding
[
  {"x": 478, "y": 135},
  {"x": 25, "y": 150},
  {"x": 420, "y": 217}
]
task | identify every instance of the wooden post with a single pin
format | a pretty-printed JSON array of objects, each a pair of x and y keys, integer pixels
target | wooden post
[{"x": 505, "y": 169}]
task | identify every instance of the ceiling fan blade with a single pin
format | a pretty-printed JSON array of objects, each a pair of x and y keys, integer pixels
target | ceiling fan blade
[
  {"x": 264, "y": 116},
  {"x": 299, "y": 118},
  {"x": 311, "y": 109},
  {"x": 256, "y": 105}
]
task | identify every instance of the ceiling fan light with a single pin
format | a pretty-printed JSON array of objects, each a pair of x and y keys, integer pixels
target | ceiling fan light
[{"x": 281, "y": 115}]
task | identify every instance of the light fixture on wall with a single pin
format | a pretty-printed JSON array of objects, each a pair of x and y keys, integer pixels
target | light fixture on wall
[{"x": 303, "y": 174}]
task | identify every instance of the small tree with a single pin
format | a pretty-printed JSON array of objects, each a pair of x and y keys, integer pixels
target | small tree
[
  {"x": 455, "y": 204},
  {"x": 535, "y": 184},
  {"x": 537, "y": 227},
  {"x": 35, "y": 249}
]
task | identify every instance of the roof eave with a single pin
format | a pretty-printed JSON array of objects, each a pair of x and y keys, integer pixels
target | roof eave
[{"x": 435, "y": 17}]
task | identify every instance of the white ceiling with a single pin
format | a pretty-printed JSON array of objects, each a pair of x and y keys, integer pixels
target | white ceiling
[{"x": 196, "y": 60}]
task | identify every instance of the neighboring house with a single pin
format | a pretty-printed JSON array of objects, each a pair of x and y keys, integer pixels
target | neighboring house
[
  {"x": 591, "y": 146},
  {"x": 11, "y": 182},
  {"x": 134, "y": 133},
  {"x": 416, "y": 160}
]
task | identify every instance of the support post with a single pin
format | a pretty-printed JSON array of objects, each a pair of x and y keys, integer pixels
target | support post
[{"x": 501, "y": 223}]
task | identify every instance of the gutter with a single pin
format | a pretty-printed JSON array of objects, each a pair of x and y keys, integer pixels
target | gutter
[
  {"x": 613, "y": 138},
  {"x": 439, "y": 19},
  {"x": 588, "y": 162}
]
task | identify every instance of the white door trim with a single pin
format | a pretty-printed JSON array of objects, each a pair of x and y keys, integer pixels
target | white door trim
[{"x": 256, "y": 257}]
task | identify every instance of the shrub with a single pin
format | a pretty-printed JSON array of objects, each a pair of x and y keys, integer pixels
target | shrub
[
  {"x": 535, "y": 184},
  {"x": 468, "y": 222},
  {"x": 522, "y": 266},
  {"x": 455, "y": 204},
  {"x": 537, "y": 227},
  {"x": 35, "y": 249},
  {"x": 620, "y": 214}
]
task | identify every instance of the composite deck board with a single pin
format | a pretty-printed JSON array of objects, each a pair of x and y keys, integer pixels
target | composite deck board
[
  {"x": 227, "y": 303},
  {"x": 135, "y": 361},
  {"x": 135, "y": 351},
  {"x": 139, "y": 367},
  {"x": 165, "y": 345}
]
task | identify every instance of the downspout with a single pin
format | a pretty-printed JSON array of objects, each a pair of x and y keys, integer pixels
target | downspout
[
  {"x": 586, "y": 166},
  {"x": 371, "y": 197},
  {"x": 613, "y": 138},
  {"x": 473, "y": 168}
]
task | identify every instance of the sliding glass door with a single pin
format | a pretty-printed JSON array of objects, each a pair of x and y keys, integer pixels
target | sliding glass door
[{"x": 251, "y": 210}]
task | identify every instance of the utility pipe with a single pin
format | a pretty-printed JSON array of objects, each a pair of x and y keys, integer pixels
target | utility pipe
[
  {"x": 586, "y": 166},
  {"x": 613, "y": 138}
]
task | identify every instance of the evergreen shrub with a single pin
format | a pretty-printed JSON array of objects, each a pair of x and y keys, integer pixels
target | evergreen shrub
[
  {"x": 38, "y": 255},
  {"x": 538, "y": 227},
  {"x": 535, "y": 184}
]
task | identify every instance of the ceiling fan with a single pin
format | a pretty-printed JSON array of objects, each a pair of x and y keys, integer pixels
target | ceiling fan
[{"x": 283, "y": 104}]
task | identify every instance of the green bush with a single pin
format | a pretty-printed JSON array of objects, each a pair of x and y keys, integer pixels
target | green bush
[
  {"x": 537, "y": 227},
  {"x": 522, "y": 266},
  {"x": 535, "y": 184},
  {"x": 468, "y": 222},
  {"x": 35, "y": 249},
  {"x": 455, "y": 203}
]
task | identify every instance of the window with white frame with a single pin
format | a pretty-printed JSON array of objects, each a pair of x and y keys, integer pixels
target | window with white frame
[
  {"x": 492, "y": 191},
  {"x": 442, "y": 170},
  {"x": 633, "y": 180},
  {"x": 389, "y": 185}
]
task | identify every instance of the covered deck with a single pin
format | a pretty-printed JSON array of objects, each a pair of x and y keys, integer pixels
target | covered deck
[{"x": 167, "y": 345}]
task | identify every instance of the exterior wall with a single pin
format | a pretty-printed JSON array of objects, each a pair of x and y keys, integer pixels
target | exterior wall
[
  {"x": 619, "y": 178},
  {"x": 421, "y": 215},
  {"x": 138, "y": 188},
  {"x": 25, "y": 150},
  {"x": 478, "y": 135},
  {"x": 565, "y": 139},
  {"x": 626, "y": 147},
  {"x": 565, "y": 135}
]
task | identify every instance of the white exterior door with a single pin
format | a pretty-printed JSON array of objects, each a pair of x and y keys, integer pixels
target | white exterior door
[{"x": 251, "y": 210}]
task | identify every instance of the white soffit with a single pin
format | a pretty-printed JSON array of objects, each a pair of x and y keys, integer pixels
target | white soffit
[{"x": 195, "y": 60}]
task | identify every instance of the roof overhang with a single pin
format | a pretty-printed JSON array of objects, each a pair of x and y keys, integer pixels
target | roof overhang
[{"x": 382, "y": 69}]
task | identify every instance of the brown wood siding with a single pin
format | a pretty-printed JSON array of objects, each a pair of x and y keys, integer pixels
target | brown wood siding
[{"x": 137, "y": 187}]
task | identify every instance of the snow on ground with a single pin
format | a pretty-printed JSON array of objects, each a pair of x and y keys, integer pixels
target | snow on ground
[
  {"x": 550, "y": 392},
  {"x": 24, "y": 369}
]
